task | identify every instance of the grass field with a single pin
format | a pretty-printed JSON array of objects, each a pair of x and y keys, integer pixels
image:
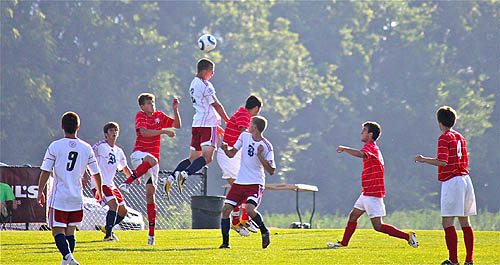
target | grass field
[{"x": 200, "y": 247}]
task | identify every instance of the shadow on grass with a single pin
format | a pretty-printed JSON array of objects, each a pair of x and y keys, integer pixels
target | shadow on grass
[
  {"x": 51, "y": 243},
  {"x": 154, "y": 250}
]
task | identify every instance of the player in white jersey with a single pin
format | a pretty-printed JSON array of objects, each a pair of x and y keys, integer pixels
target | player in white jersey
[
  {"x": 204, "y": 128},
  {"x": 111, "y": 158},
  {"x": 67, "y": 159},
  {"x": 257, "y": 155}
]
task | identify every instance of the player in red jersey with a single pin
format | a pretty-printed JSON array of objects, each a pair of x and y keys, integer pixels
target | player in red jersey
[
  {"x": 372, "y": 195},
  {"x": 237, "y": 124},
  {"x": 457, "y": 192},
  {"x": 67, "y": 159},
  {"x": 150, "y": 125}
]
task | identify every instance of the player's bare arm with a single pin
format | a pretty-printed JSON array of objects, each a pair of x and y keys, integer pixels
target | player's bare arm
[
  {"x": 42, "y": 182},
  {"x": 230, "y": 151},
  {"x": 98, "y": 183},
  {"x": 263, "y": 161},
  {"x": 177, "y": 118},
  {"x": 149, "y": 133},
  {"x": 220, "y": 109},
  {"x": 351, "y": 151},
  {"x": 430, "y": 161}
]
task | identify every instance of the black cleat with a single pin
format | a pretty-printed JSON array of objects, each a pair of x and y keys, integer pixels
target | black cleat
[
  {"x": 449, "y": 262},
  {"x": 266, "y": 240},
  {"x": 225, "y": 246}
]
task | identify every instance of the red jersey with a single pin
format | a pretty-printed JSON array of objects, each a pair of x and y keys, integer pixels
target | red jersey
[
  {"x": 240, "y": 119},
  {"x": 372, "y": 178},
  {"x": 158, "y": 121},
  {"x": 452, "y": 150}
]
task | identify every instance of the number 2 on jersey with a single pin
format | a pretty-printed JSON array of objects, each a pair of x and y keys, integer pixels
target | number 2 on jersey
[
  {"x": 191, "y": 90},
  {"x": 72, "y": 160}
]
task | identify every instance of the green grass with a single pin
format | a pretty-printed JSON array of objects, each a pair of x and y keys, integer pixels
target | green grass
[{"x": 200, "y": 247}]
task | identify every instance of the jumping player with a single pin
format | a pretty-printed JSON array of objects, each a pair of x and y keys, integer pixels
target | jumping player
[
  {"x": 67, "y": 159},
  {"x": 237, "y": 124},
  {"x": 111, "y": 158},
  {"x": 457, "y": 192},
  {"x": 372, "y": 196},
  {"x": 204, "y": 128},
  {"x": 257, "y": 155},
  {"x": 149, "y": 126}
]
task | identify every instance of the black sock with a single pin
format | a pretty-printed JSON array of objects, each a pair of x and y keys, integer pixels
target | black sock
[
  {"x": 258, "y": 220},
  {"x": 110, "y": 222},
  {"x": 182, "y": 165},
  {"x": 197, "y": 164},
  {"x": 71, "y": 242},
  {"x": 119, "y": 218},
  {"x": 62, "y": 244},
  {"x": 224, "y": 227}
]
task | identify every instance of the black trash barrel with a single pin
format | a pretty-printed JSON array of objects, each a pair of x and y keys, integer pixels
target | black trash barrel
[{"x": 206, "y": 211}]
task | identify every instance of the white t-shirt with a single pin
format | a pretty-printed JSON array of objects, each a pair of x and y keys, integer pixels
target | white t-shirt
[
  {"x": 202, "y": 95},
  {"x": 251, "y": 170},
  {"x": 68, "y": 159},
  {"x": 109, "y": 160}
]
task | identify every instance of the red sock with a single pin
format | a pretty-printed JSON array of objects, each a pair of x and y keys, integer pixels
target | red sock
[
  {"x": 244, "y": 215},
  {"x": 151, "y": 209},
  {"x": 349, "y": 230},
  {"x": 469, "y": 242},
  {"x": 139, "y": 171},
  {"x": 393, "y": 231},
  {"x": 450, "y": 234},
  {"x": 235, "y": 215}
]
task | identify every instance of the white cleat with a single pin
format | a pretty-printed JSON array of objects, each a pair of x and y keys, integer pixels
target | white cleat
[
  {"x": 124, "y": 187},
  {"x": 151, "y": 240},
  {"x": 69, "y": 260},
  {"x": 413, "y": 239},
  {"x": 334, "y": 245},
  {"x": 251, "y": 226},
  {"x": 240, "y": 230}
]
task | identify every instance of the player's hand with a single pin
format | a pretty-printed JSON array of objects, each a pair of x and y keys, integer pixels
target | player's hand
[
  {"x": 138, "y": 181},
  {"x": 175, "y": 103},
  {"x": 41, "y": 198},
  {"x": 98, "y": 196},
  {"x": 170, "y": 133},
  {"x": 260, "y": 149},
  {"x": 224, "y": 146},
  {"x": 418, "y": 158},
  {"x": 340, "y": 149}
]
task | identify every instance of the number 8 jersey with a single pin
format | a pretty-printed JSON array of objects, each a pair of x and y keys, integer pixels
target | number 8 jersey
[
  {"x": 251, "y": 170},
  {"x": 68, "y": 159},
  {"x": 452, "y": 150}
]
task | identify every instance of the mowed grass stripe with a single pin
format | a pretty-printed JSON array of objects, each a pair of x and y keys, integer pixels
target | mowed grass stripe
[{"x": 287, "y": 247}]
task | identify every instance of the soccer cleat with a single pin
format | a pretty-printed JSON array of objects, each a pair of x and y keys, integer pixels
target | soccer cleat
[
  {"x": 224, "y": 246},
  {"x": 335, "y": 245},
  {"x": 469, "y": 263},
  {"x": 109, "y": 238},
  {"x": 413, "y": 239},
  {"x": 151, "y": 240},
  {"x": 167, "y": 184},
  {"x": 250, "y": 226},
  {"x": 266, "y": 240},
  {"x": 181, "y": 177},
  {"x": 101, "y": 228},
  {"x": 124, "y": 187},
  {"x": 240, "y": 229},
  {"x": 115, "y": 238},
  {"x": 70, "y": 260},
  {"x": 448, "y": 262}
]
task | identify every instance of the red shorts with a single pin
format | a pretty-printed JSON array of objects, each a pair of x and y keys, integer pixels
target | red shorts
[
  {"x": 203, "y": 136},
  {"x": 110, "y": 193},
  {"x": 59, "y": 218},
  {"x": 239, "y": 193}
]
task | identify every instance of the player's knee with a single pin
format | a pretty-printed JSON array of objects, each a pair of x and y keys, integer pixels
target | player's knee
[
  {"x": 151, "y": 160},
  {"x": 226, "y": 210}
]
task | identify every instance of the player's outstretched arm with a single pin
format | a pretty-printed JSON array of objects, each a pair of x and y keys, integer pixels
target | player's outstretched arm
[
  {"x": 351, "y": 151},
  {"x": 230, "y": 151},
  {"x": 149, "y": 133},
  {"x": 429, "y": 160},
  {"x": 220, "y": 109},
  {"x": 98, "y": 183},
  {"x": 42, "y": 182},
  {"x": 177, "y": 118},
  {"x": 263, "y": 161}
]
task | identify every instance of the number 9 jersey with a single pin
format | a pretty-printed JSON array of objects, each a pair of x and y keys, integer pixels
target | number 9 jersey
[{"x": 68, "y": 159}]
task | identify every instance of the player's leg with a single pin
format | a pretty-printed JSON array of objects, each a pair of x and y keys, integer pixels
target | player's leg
[
  {"x": 469, "y": 209},
  {"x": 151, "y": 185},
  {"x": 122, "y": 209},
  {"x": 142, "y": 166},
  {"x": 59, "y": 221},
  {"x": 111, "y": 217},
  {"x": 352, "y": 222},
  {"x": 450, "y": 235},
  {"x": 468, "y": 237},
  {"x": 225, "y": 225},
  {"x": 208, "y": 143},
  {"x": 253, "y": 194}
]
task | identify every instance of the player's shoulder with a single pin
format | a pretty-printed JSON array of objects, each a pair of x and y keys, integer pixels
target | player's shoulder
[
  {"x": 267, "y": 143},
  {"x": 83, "y": 143},
  {"x": 100, "y": 144},
  {"x": 140, "y": 114}
]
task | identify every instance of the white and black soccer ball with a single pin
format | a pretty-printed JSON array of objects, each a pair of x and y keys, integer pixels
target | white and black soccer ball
[{"x": 207, "y": 42}]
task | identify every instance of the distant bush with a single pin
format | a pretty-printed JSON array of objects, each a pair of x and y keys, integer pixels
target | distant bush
[{"x": 418, "y": 219}]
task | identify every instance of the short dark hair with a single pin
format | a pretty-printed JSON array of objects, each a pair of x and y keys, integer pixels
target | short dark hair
[
  {"x": 145, "y": 96},
  {"x": 374, "y": 128},
  {"x": 205, "y": 64},
  {"x": 260, "y": 122},
  {"x": 447, "y": 116},
  {"x": 70, "y": 122},
  {"x": 111, "y": 125},
  {"x": 252, "y": 102}
]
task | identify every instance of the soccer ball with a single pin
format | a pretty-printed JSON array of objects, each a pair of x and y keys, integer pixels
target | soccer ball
[{"x": 207, "y": 42}]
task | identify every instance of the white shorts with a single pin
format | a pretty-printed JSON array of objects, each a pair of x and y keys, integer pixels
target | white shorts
[
  {"x": 457, "y": 197},
  {"x": 136, "y": 159},
  {"x": 229, "y": 166},
  {"x": 374, "y": 206}
]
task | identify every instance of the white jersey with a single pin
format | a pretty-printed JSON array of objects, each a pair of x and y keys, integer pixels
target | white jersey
[
  {"x": 109, "y": 160},
  {"x": 251, "y": 170},
  {"x": 203, "y": 95},
  {"x": 68, "y": 159}
]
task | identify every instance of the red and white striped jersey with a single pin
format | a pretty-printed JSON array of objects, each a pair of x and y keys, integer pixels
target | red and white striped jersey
[
  {"x": 452, "y": 150},
  {"x": 372, "y": 178},
  {"x": 202, "y": 94},
  {"x": 240, "y": 119},
  {"x": 157, "y": 121}
]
